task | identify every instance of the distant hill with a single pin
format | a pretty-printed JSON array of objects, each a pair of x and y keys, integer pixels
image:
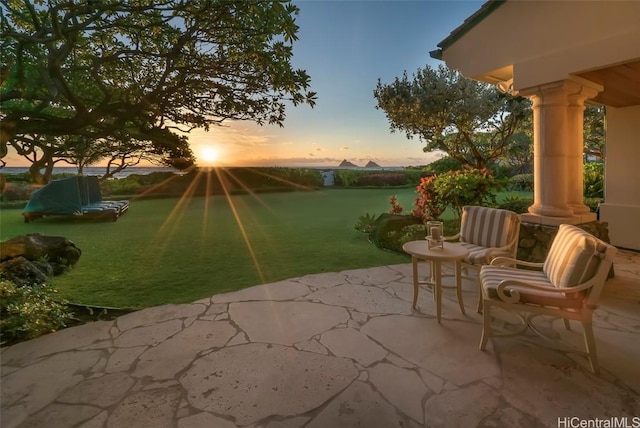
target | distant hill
[
  {"x": 372, "y": 164},
  {"x": 345, "y": 163}
]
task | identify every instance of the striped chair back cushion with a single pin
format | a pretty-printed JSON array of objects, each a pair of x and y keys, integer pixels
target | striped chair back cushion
[
  {"x": 572, "y": 257},
  {"x": 487, "y": 227}
]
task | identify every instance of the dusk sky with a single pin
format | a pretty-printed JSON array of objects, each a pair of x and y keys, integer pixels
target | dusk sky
[{"x": 345, "y": 46}]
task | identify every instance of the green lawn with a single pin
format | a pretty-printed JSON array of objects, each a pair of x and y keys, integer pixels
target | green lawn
[{"x": 172, "y": 251}]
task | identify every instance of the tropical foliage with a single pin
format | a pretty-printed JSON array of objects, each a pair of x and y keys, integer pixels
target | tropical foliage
[
  {"x": 131, "y": 79},
  {"x": 29, "y": 311},
  {"x": 470, "y": 121}
]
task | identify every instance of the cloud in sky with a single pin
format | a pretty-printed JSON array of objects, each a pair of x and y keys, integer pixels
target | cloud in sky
[{"x": 345, "y": 147}]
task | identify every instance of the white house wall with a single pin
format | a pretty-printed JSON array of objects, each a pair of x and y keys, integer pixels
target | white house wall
[
  {"x": 548, "y": 41},
  {"x": 622, "y": 169}
]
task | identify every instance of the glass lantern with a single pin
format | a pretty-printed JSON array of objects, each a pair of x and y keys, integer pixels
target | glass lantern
[{"x": 435, "y": 234}]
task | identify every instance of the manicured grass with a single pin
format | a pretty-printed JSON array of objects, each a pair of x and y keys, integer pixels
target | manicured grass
[
  {"x": 177, "y": 251},
  {"x": 174, "y": 251}
]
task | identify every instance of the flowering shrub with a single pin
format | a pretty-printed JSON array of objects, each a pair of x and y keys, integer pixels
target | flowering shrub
[
  {"x": 396, "y": 208},
  {"x": 429, "y": 205},
  {"x": 466, "y": 187}
]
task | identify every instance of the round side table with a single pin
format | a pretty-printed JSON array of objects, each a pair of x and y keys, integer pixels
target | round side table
[{"x": 450, "y": 252}]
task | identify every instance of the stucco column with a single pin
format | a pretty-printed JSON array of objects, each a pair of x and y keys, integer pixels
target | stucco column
[
  {"x": 557, "y": 150},
  {"x": 575, "y": 147}
]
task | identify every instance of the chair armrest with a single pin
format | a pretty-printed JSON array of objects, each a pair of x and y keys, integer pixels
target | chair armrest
[
  {"x": 514, "y": 295},
  {"x": 455, "y": 237},
  {"x": 503, "y": 261},
  {"x": 493, "y": 250}
]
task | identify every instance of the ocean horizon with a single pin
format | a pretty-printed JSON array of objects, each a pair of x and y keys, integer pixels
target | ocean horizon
[{"x": 97, "y": 170}]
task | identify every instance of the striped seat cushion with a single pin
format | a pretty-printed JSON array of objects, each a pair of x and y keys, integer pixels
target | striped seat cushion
[
  {"x": 487, "y": 227},
  {"x": 572, "y": 257},
  {"x": 491, "y": 276},
  {"x": 478, "y": 254}
]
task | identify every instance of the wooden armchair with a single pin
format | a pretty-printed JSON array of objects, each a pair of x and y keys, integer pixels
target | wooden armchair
[
  {"x": 568, "y": 286},
  {"x": 487, "y": 233}
]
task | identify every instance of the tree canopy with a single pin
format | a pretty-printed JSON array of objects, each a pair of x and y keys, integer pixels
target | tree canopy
[
  {"x": 142, "y": 74},
  {"x": 470, "y": 121},
  {"x": 594, "y": 146}
]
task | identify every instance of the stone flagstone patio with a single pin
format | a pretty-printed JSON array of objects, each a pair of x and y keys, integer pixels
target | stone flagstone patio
[{"x": 328, "y": 350}]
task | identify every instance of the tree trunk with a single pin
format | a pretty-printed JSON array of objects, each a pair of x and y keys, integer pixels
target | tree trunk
[{"x": 36, "y": 175}]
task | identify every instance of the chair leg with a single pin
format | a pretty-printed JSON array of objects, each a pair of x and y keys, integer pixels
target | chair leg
[
  {"x": 590, "y": 343},
  {"x": 486, "y": 326},
  {"x": 479, "y": 308},
  {"x": 566, "y": 324}
]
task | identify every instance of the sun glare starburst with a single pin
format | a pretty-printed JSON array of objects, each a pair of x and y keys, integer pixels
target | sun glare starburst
[{"x": 210, "y": 155}]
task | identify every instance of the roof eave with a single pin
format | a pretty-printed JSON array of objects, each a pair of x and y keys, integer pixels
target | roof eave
[{"x": 485, "y": 10}]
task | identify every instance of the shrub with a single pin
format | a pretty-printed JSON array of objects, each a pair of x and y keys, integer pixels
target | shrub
[
  {"x": 18, "y": 191},
  {"x": 415, "y": 175},
  {"x": 22, "y": 177},
  {"x": 469, "y": 187},
  {"x": 382, "y": 180},
  {"x": 29, "y": 311},
  {"x": 521, "y": 182},
  {"x": 396, "y": 208},
  {"x": 361, "y": 178},
  {"x": 516, "y": 204},
  {"x": 592, "y": 203},
  {"x": 443, "y": 165},
  {"x": 302, "y": 176},
  {"x": 413, "y": 232},
  {"x": 365, "y": 223},
  {"x": 346, "y": 177},
  {"x": 231, "y": 179},
  {"x": 593, "y": 180},
  {"x": 429, "y": 204},
  {"x": 387, "y": 228},
  {"x": 500, "y": 171},
  {"x": 120, "y": 186}
]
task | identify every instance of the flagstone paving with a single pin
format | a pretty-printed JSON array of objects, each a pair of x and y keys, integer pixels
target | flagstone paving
[{"x": 341, "y": 349}]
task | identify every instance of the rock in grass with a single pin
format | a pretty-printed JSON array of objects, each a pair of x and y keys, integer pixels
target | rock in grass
[
  {"x": 35, "y": 246},
  {"x": 31, "y": 259}
]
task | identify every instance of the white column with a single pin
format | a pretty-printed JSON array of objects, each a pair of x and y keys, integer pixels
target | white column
[
  {"x": 557, "y": 149},
  {"x": 575, "y": 148}
]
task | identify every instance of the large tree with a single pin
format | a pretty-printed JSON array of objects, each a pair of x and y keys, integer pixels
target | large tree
[
  {"x": 151, "y": 69},
  {"x": 470, "y": 121},
  {"x": 594, "y": 147}
]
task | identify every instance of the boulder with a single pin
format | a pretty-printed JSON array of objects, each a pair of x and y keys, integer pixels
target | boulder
[
  {"x": 22, "y": 272},
  {"x": 35, "y": 246},
  {"x": 30, "y": 259}
]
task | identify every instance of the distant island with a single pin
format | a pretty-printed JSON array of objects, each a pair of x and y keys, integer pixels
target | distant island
[{"x": 346, "y": 164}]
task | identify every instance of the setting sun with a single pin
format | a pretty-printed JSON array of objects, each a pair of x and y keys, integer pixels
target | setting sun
[{"x": 209, "y": 155}]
